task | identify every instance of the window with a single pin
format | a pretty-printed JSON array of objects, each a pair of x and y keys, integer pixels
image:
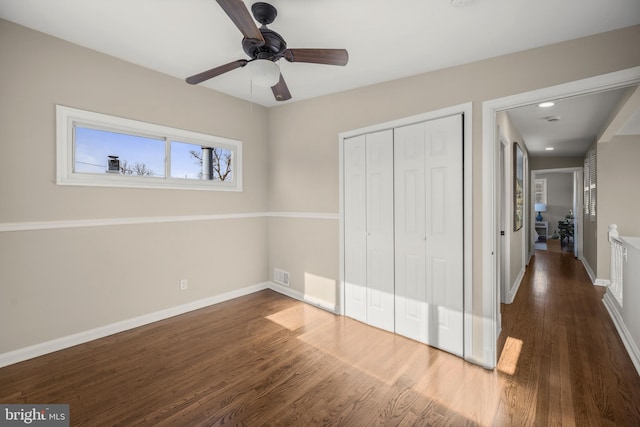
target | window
[
  {"x": 590, "y": 181},
  {"x": 541, "y": 191},
  {"x": 586, "y": 185},
  {"x": 100, "y": 150}
]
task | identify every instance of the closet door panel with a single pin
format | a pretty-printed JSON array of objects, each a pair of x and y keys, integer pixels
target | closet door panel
[
  {"x": 410, "y": 198},
  {"x": 379, "y": 220},
  {"x": 444, "y": 231},
  {"x": 355, "y": 231}
]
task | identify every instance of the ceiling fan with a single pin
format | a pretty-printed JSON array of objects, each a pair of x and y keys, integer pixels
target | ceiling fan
[{"x": 265, "y": 44}]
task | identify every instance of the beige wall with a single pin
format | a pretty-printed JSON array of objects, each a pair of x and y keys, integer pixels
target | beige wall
[
  {"x": 57, "y": 282},
  {"x": 303, "y": 135},
  {"x": 39, "y": 72},
  {"x": 309, "y": 257},
  {"x": 618, "y": 201},
  {"x": 537, "y": 163},
  {"x": 292, "y": 169}
]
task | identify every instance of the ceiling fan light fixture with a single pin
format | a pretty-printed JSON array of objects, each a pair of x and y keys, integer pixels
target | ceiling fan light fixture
[{"x": 264, "y": 72}]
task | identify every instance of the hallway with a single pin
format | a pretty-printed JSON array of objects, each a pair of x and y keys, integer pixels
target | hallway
[{"x": 572, "y": 368}]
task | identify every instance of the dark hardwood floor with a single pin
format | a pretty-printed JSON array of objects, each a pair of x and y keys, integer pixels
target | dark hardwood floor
[{"x": 265, "y": 359}]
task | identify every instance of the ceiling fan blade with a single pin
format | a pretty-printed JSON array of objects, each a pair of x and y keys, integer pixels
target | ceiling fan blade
[
  {"x": 280, "y": 90},
  {"x": 318, "y": 56},
  {"x": 240, "y": 16},
  {"x": 206, "y": 75}
]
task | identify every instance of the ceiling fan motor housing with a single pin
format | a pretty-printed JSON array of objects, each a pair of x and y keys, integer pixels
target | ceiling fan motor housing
[{"x": 273, "y": 47}]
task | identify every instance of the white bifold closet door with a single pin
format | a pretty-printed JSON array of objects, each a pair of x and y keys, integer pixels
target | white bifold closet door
[
  {"x": 403, "y": 231},
  {"x": 368, "y": 224},
  {"x": 429, "y": 233}
]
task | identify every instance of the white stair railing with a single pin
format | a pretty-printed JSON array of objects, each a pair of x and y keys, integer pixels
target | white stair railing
[{"x": 618, "y": 256}]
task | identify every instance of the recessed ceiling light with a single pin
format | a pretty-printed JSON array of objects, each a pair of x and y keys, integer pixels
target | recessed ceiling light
[
  {"x": 549, "y": 149},
  {"x": 546, "y": 104}
]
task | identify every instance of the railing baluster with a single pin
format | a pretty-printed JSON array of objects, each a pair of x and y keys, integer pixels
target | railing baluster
[{"x": 618, "y": 254}]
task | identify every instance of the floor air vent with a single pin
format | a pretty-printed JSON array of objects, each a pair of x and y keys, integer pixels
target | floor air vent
[{"x": 281, "y": 276}]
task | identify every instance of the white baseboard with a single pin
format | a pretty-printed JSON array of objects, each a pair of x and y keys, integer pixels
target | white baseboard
[
  {"x": 36, "y": 350},
  {"x": 611, "y": 306},
  {"x": 292, "y": 293},
  {"x": 592, "y": 275},
  {"x": 515, "y": 287},
  {"x": 587, "y": 267}
]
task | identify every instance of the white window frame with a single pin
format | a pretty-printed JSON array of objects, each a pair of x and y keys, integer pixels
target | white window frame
[{"x": 67, "y": 118}]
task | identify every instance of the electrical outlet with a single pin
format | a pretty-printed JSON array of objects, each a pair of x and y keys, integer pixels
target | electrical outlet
[{"x": 183, "y": 284}]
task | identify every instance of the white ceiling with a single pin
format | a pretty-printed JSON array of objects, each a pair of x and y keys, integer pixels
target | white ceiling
[
  {"x": 580, "y": 120},
  {"x": 386, "y": 40}
]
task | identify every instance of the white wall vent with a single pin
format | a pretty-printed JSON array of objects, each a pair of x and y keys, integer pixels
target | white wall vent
[{"x": 281, "y": 276}]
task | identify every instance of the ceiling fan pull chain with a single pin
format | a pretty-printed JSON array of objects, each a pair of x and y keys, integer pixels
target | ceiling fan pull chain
[{"x": 251, "y": 95}]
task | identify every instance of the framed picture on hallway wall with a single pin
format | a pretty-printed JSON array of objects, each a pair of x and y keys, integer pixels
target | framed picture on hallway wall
[{"x": 518, "y": 187}]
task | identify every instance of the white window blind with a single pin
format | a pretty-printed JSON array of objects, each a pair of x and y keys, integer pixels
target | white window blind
[
  {"x": 590, "y": 185},
  {"x": 586, "y": 185}
]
